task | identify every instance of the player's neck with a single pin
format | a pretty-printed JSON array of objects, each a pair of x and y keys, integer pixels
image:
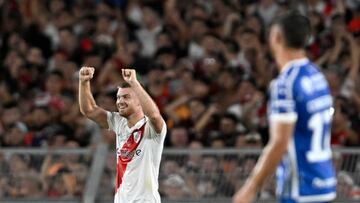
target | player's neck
[
  {"x": 288, "y": 55},
  {"x": 134, "y": 118}
]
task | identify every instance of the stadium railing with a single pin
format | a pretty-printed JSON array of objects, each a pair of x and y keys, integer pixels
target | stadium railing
[
  {"x": 50, "y": 175},
  {"x": 206, "y": 175},
  {"x": 213, "y": 175}
]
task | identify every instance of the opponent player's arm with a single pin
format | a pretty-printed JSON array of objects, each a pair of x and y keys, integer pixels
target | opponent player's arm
[
  {"x": 87, "y": 102},
  {"x": 280, "y": 134},
  {"x": 148, "y": 105}
]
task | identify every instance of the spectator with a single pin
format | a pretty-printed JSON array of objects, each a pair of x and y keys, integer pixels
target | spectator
[
  {"x": 345, "y": 186},
  {"x": 179, "y": 137},
  {"x": 15, "y": 135},
  {"x": 150, "y": 28},
  {"x": 194, "y": 160},
  {"x": 227, "y": 131},
  {"x": 175, "y": 188}
]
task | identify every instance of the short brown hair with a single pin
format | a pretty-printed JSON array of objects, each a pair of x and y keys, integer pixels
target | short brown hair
[{"x": 124, "y": 85}]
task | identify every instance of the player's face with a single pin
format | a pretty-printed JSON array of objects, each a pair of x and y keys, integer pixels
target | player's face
[{"x": 127, "y": 103}]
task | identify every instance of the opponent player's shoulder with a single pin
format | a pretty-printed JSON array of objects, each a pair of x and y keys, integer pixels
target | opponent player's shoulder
[
  {"x": 311, "y": 80},
  {"x": 283, "y": 84},
  {"x": 298, "y": 76},
  {"x": 288, "y": 75}
]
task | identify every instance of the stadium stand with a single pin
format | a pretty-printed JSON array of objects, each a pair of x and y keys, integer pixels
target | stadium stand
[{"x": 206, "y": 64}]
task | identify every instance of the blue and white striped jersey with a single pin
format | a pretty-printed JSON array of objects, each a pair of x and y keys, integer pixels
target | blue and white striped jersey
[{"x": 300, "y": 94}]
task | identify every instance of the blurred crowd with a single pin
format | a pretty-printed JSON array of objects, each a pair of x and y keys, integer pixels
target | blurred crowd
[
  {"x": 38, "y": 176},
  {"x": 206, "y": 64}
]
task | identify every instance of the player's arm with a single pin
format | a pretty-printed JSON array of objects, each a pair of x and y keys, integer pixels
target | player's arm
[
  {"x": 148, "y": 105},
  {"x": 87, "y": 102},
  {"x": 280, "y": 134}
]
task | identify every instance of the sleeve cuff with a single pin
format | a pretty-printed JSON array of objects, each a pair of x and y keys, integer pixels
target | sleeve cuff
[{"x": 290, "y": 117}]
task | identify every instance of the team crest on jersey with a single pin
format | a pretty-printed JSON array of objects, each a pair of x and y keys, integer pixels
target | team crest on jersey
[{"x": 137, "y": 136}]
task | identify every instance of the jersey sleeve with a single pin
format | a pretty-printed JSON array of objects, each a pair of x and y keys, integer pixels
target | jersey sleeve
[
  {"x": 158, "y": 137},
  {"x": 111, "y": 120},
  {"x": 282, "y": 106}
]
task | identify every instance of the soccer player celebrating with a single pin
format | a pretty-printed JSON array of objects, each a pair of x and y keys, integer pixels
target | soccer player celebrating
[
  {"x": 300, "y": 114},
  {"x": 140, "y": 133}
]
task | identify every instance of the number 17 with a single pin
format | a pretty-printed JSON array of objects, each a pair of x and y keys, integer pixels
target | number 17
[{"x": 319, "y": 123}]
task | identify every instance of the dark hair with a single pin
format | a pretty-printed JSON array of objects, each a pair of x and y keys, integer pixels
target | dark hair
[
  {"x": 43, "y": 108},
  {"x": 295, "y": 28},
  {"x": 197, "y": 19},
  {"x": 56, "y": 73},
  {"x": 249, "y": 31},
  {"x": 10, "y": 105},
  {"x": 165, "y": 50},
  {"x": 180, "y": 126},
  {"x": 124, "y": 85},
  {"x": 231, "y": 116},
  {"x": 337, "y": 17},
  {"x": 231, "y": 45}
]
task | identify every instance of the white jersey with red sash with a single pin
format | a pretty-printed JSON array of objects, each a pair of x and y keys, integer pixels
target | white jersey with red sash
[{"x": 138, "y": 152}]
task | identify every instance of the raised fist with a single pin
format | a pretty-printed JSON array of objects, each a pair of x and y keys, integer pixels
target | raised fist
[
  {"x": 129, "y": 75},
  {"x": 86, "y": 73}
]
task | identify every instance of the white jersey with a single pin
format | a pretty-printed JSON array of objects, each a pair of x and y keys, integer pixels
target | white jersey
[{"x": 138, "y": 154}]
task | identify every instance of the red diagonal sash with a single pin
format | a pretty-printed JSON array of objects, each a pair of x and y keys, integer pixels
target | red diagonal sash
[{"x": 126, "y": 153}]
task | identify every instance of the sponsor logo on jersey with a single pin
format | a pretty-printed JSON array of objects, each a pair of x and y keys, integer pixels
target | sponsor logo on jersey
[
  {"x": 138, "y": 151},
  {"x": 126, "y": 154},
  {"x": 137, "y": 136}
]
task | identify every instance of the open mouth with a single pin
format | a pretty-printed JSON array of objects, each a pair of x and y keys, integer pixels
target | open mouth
[{"x": 122, "y": 107}]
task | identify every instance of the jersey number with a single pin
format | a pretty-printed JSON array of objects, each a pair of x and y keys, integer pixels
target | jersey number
[{"x": 320, "y": 150}]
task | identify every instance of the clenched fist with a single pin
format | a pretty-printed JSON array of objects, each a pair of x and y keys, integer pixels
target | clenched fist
[
  {"x": 129, "y": 76},
  {"x": 86, "y": 73}
]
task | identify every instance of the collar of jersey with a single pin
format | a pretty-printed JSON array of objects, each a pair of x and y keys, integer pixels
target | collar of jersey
[
  {"x": 293, "y": 63},
  {"x": 137, "y": 125}
]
